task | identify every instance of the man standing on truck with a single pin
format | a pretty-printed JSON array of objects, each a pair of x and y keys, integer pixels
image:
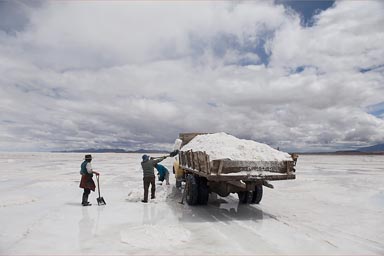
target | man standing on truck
[{"x": 148, "y": 165}]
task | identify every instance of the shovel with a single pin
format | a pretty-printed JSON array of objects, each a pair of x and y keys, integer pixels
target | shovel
[
  {"x": 176, "y": 149},
  {"x": 172, "y": 154},
  {"x": 100, "y": 200}
]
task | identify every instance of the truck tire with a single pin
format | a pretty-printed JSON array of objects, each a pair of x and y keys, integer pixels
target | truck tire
[
  {"x": 245, "y": 197},
  {"x": 203, "y": 189},
  {"x": 191, "y": 190},
  {"x": 257, "y": 194}
]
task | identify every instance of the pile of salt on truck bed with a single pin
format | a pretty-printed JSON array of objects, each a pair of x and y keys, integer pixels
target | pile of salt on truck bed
[{"x": 223, "y": 176}]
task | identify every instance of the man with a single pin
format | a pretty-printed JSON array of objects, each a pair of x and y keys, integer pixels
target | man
[
  {"x": 148, "y": 165},
  {"x": 163, "y": 173},
  {"x": 87, "y": 182}
]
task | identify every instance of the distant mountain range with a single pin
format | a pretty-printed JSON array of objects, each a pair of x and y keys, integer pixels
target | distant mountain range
[
  {"x": 111, "y": 150},
  {"x": 372, "y": 150},
  {"x": 375, "y": 148}
]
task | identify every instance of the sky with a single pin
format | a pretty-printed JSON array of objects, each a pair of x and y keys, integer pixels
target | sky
[{"x": 298, "y": 75}]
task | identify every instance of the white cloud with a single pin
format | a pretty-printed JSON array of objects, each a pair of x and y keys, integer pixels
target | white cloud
[
  {"x": 134, "y": 74},
  {"x": 345, "y": 38}
]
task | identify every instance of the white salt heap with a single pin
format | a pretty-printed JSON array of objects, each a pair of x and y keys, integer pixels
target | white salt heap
[{"x": 222, "y": 146}]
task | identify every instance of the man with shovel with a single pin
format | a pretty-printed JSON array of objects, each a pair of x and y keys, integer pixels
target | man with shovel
[
  {"x": 148, "y": 165},
  {"x": 87, "y": 182}
]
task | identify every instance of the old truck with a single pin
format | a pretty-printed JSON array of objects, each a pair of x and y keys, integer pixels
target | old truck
[{"x": 223, "y": 176}]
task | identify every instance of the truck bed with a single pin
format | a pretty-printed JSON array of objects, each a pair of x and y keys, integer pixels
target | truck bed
[{"x": 230, "y": 170}]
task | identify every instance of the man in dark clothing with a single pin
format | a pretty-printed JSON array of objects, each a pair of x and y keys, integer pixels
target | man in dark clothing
[
  {"x": 87, "y": 182},
  {"x": 148, "y": 165}
]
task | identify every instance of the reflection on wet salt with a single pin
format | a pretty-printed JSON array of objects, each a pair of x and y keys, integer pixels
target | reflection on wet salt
[
  {"x": 86, "y": 225},
  {"x": 219, "y": 209}
]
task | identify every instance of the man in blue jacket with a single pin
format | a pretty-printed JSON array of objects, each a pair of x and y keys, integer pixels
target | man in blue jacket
[{"x": 163, "y": 173}]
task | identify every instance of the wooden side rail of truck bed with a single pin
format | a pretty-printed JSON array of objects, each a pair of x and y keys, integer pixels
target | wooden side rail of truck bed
[{"x": 229, "y": 170}]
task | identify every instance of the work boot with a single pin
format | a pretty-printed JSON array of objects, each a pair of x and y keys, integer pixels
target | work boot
[
  {"x": 144, "y": 201},
  {"x": 86, "y": 204},
  {"x": 85, "y": 200},
  {"x": 153, "y": 197}
]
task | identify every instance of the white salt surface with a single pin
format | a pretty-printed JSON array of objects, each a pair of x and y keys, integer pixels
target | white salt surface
[
  {"x": 334, "y": 207},
  {"x": 225, "y": 146}
]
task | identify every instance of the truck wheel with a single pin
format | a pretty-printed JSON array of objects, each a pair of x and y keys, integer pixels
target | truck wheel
[
  {"x": 203, "y": 195},
  {"x": 257, "y": 194},
  {"x": 191, "y": 190},
  {"x": 245, "y": 197},
  {"x": 241, "y": 196}
]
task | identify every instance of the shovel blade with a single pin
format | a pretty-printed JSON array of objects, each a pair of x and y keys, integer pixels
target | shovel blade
[
  {"x": 174, "y": 153},
  {"x": 101, "y": 201}
]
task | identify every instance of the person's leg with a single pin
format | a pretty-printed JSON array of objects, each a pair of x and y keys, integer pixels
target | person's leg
[
  {"x": 86, "y": 193},
  {"x": 83, "y": 199},
  {"x": 153, "y": 187},
  {"x": 146, "y": 186},
  {"x": 167, "y": 178}
]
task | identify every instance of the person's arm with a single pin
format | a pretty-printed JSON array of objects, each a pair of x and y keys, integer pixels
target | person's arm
[
  {"x": 90, "y": 170},
  {"x": 158, "y": 160}
]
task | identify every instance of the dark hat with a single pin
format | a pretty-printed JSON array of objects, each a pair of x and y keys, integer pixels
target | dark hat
[
  {"x": 145, "y": 157},
  {"x": 88, "y": 157}
]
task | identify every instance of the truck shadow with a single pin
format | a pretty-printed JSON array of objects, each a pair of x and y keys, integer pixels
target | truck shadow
[{"x": 217, "y": 210}]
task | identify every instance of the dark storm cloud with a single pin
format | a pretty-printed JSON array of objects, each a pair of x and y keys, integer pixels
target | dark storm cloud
[{"x": 14, "y": 15}]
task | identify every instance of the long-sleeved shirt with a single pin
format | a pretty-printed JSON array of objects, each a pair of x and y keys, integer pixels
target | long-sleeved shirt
[{"x": 149, "y": 166}]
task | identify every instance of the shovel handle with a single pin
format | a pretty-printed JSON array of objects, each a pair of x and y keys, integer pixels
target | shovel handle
[{"x": 98, "y": 184}]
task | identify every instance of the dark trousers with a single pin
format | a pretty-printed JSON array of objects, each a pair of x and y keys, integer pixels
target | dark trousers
[
  {"x": 86, "y": 193},
  {"x": 147, "y": 181}
]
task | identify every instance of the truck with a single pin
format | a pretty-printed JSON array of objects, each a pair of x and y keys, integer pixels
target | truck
[{"x": 203, "y": 176}]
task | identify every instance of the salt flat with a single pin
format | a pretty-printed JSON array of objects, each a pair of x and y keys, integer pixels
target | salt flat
[{"x": 335, "y": 206}]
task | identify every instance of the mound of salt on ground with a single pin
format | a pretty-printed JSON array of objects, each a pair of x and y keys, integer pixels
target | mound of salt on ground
[
  {"x": 222, "y": 145},
  {"x": 162, "y": 193}
]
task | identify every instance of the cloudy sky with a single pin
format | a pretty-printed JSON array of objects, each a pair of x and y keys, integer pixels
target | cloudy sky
[{"x": 299, "y": 75}]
